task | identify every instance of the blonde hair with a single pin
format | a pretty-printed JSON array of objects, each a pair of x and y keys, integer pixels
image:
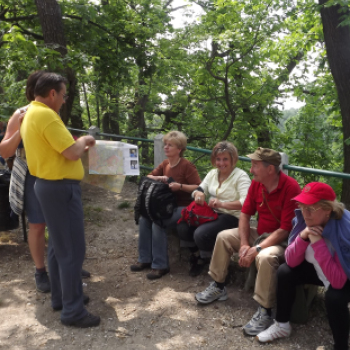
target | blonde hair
[
  {"x": 224, "y": 146},
  {"x": 336, "y": 207},
  {"x": 178, "y": 138}
]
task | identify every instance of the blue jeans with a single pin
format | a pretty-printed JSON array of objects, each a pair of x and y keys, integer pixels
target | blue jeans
[{"x": 153, "y": 241}]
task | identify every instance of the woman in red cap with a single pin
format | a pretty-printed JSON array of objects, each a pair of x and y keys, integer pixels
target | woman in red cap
[{"x": 319, "y": 254}]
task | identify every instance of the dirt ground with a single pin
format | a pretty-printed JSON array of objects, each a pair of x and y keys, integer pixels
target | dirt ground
[{"x": 136, "y": 313}]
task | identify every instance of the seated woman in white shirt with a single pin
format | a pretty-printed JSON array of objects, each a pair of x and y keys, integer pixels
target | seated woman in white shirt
[{"x": 225, "y": 188}]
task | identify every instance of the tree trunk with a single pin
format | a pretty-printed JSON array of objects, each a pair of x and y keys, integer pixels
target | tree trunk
[
  {"x": 50, "y": 17},
  {"x": 137, "y": 117},
  {"x": 337, "y": 39},
  {"x": 76, "y": 121},
  {"x": 87, "y": 104},
  {"x": 105, "y": 123},
  {"x": 114, "y": 119}
]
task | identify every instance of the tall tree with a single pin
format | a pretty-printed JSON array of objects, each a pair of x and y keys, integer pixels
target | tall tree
[
  {"x": 337, "y": 40},
  {"x": 50, "y": 17}
]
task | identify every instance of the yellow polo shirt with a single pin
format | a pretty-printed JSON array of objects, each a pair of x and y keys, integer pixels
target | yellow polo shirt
[{"x": 45, "y": 137}]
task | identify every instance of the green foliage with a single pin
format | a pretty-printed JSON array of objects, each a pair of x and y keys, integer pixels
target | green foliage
[
  {"x": 220, "y": 77},
  {"x": 124, "y": 205}
]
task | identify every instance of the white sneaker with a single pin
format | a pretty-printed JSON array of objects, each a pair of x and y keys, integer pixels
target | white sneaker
[
  {"x": 259, "y": 322},
  {"x": 274, "y": 332},
  {"x": 211, "y": 293}
]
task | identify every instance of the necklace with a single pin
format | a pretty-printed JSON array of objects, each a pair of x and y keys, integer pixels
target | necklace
[{"x": 173, "y": 166}]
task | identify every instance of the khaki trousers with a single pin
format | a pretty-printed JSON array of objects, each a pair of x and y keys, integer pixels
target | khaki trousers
[{"x": 267, "y": 262}]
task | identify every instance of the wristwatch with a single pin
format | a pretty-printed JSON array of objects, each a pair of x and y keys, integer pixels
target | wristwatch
[{"x": 258, "y": 248}]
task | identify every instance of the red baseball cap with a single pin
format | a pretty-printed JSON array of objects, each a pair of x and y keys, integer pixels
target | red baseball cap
[{"x": 314, "y": 192}]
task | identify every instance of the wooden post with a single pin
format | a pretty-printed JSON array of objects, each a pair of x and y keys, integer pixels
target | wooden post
[
  {"x": 284, "y": 160},
  {"x": 93, "y": 130},
  {"x": 159, "y": 154}
]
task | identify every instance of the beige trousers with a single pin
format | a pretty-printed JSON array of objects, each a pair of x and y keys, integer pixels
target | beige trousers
[{"x": 267, "y": 262}]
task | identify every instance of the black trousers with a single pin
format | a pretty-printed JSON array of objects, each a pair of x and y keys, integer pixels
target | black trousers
[
  {"x": 205, "y": 235},
  {"x": 336, "y": 300}
]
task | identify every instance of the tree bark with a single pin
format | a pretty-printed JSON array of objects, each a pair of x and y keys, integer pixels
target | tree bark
[
  {"x": 87, "y": 104},
  {"x": 337, "y": 39},
  {"x": 51, "y": 22}
]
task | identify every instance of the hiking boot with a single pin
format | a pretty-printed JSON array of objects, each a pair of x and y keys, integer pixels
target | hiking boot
[
  {"x": 157, "y": 273},
  {"x": 42, "y": 282},
  {"x": 140, "y": 266},
  {"x": 87, "y": 321},
  {"x": 274, "y": 332},
  {"x": 211, "y": 294},
  {"x": 85, "y": 274},
  {"x": 86, "y": 300},
  {"x": 259, "y": 322}
]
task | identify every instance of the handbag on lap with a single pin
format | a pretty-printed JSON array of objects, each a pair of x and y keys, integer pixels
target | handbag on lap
[{"x": 195, "y": 214}]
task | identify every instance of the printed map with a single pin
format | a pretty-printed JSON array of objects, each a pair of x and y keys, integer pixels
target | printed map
[
  {"x": 106, "y": 158},
  {"x": 112, "y": 183}
]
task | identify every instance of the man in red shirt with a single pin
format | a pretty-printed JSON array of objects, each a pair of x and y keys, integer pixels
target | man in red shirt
[{"x": 270, "y": 196}]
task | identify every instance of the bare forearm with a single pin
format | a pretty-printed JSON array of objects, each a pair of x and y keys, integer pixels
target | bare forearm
[
  {"x": 275, "y": 238},
  {"x": 244, "y": 229},
  {"x": 8, "y": 147},
  {"x": 235, "y": 205},
  {"x": 188, "y": 188},
  {"x": 75, "y": 151}
]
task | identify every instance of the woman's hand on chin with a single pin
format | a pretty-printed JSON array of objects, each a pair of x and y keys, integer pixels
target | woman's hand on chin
[{"x": 313, "y": 233}]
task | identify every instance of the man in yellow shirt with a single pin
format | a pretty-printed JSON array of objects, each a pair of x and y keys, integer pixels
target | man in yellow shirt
[{"x": 54, "y": 158}]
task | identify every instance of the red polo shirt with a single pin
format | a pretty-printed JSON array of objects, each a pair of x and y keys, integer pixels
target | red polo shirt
[{"x": 279, "y": 201}]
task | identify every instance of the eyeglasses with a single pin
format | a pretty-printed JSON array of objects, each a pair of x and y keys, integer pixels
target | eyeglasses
[
  {"x": 65, "y": 96},
  {"x": 308, "y": 209}
]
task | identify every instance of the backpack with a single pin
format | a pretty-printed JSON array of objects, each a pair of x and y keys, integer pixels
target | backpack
[
  {"x": 195, "y": 214},
  {"x": 8, "y": 220},
  {"x": 155, "y": 201}
]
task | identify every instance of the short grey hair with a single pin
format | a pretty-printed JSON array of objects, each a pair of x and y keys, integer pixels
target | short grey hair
[{"x": 277, "y": 168}]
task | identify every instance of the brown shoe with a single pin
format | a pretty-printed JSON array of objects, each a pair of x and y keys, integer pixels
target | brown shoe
[
  {"x": 140, "y": 266},
  {"x": 155, "y": 274}
]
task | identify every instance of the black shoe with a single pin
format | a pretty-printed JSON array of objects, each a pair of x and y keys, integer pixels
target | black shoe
[
  {"x": 197, "y": 265},
  {"x": 196, "y": 268},
  {"x": 86, "y": 300},
  {"x": 140, "y": 266},
  {"x": 88, "y": 321},
  {"x": 42, "y": 282},
  {"x": 155, "y": 274},
  {"x": 85, "y": 274}
]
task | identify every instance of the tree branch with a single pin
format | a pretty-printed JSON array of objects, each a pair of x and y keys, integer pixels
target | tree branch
[
  {"x": 25, "y": 31},
  {"x": 20, "y": 18},
  {"x": 90, "y": 22},
  {"x": 3, "y": 43},
  {"x": 176, "y": 8}
]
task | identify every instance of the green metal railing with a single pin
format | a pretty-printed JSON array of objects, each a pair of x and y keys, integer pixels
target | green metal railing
[{"x": 244, "y": 159}]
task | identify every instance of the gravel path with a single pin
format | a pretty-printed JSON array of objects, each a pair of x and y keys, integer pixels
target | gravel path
[{"x": 136, "y": 313}]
